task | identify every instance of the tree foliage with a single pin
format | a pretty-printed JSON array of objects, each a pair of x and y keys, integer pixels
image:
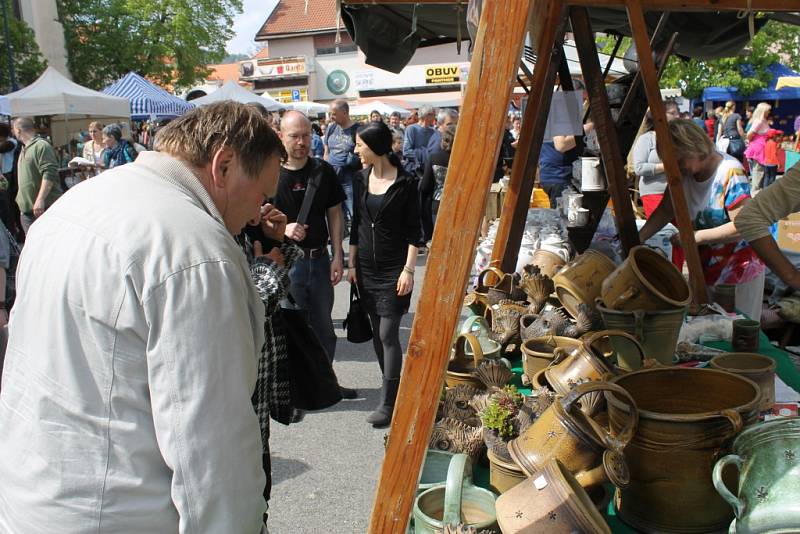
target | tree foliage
[
  {"x": 28, "y": 61},
  {"x": 168, "y": 41},
  {"x": 776, "y": 42}
]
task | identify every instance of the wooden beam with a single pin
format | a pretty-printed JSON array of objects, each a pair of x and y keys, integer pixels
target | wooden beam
[
  {"x": 606, "y": 130},
  {"x": 498, "y": 48},
  {"x": 682, "y": 218},
  {"x": 635, "y": 104},
  {"x": 526, "y": 159},
  {"x": 648, "y": 5}
]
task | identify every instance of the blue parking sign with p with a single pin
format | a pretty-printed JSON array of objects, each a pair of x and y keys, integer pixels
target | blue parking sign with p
[{"x": 295, "y": 95}]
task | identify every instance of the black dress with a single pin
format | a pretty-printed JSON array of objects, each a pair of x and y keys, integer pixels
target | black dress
[{"x": 384, "y": 226}]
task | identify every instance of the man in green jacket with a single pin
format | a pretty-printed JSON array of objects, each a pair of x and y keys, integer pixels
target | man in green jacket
[{"x": 37, "y": 173}]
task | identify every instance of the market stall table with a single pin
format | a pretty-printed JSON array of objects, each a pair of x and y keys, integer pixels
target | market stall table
[{"x": 786, "y": 371}]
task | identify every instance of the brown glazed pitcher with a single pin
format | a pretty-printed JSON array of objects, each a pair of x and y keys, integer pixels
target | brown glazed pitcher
[
  {"x": 565, "y": 433},
  {"x": 584, "y": 364}
]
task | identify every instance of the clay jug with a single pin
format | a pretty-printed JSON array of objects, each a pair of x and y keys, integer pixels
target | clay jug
[
  {"x": 565, "y": 433},
  {"x": 585, "y": 364},
  {"x": 767, "y": 456},
  {"x": 579, "y": 282},
  {"x": 538, "y": 352}
]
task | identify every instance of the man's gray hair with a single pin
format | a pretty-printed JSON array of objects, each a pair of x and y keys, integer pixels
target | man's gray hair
[
  {"x": 25, "y": 124},
  {"x": 445, "y": 113},
  {"x": 424, "y": 111},
  {"x": 341, "y": 105}
]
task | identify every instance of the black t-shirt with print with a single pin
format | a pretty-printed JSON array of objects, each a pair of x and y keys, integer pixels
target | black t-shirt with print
[{"x": 292, "y": 190}]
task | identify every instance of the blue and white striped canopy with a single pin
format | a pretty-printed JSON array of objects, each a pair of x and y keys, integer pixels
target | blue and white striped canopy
[{"x": 147, "y": 99}]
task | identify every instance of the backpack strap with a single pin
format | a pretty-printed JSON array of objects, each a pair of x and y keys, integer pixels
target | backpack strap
[{"x": 311, "y": 190}]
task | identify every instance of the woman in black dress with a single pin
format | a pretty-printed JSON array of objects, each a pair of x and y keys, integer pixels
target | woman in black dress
[{"x": 383, "y": 251}]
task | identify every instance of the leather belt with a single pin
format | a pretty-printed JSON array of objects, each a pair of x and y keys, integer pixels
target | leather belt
[{"x": 313, "y": 253}]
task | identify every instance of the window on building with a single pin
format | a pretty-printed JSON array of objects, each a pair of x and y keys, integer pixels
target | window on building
[{"x": 326, "y": 45}]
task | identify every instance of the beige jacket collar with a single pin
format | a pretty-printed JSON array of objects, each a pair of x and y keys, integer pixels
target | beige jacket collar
[{"x": 179, "y": 174}]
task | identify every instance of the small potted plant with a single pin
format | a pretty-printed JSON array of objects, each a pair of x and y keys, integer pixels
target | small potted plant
[
  {"x": 498, "y": 418},
  {"x": 501, "y": 423}
]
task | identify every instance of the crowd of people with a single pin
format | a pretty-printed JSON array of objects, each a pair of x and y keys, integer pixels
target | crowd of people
[
  {"x": 236, "y": 229},
  {"x": 194, "y": 247}
]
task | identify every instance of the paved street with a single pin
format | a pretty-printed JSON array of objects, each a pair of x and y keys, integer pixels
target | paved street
[{"x": 325, "y": 469}]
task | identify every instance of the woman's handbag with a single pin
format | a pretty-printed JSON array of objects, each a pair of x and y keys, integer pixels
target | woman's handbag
[
  {"x": 736, "y": 147},
  {"x": 359, "y": 329},
  {"x": 313, "y": 382}
]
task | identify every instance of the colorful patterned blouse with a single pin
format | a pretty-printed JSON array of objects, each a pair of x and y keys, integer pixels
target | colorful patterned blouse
[{"x": 709, "y": 202}]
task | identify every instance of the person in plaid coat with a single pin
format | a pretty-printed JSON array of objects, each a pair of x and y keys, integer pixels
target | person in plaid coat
[{"x": 272, "y": 397}]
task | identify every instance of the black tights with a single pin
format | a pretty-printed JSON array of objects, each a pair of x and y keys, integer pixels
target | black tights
[{"x": 386, "y": 340}]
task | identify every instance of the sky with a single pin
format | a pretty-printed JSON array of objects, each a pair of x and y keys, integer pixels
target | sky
[{"x": 245, "y": 25}]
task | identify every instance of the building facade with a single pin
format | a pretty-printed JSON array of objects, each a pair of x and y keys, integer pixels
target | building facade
[{"x": 310, "y": 58}]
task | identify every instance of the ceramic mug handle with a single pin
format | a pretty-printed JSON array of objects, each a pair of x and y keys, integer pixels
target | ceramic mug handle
[
  {"x": 622, "y": 438},
  {"x": 453, "y": 489},
  {"x": 469, "y": 325},
  {"x": 495, "y": 271},
  {"x": 477, "y": 351},
  {"x": 722, "y": 489}
]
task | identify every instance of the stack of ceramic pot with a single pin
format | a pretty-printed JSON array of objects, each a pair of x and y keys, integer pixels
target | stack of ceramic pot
[{"x": 646, "y": 296}]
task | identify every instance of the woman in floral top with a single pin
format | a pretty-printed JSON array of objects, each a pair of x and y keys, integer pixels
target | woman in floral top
[{"x": 716, "y": 188}]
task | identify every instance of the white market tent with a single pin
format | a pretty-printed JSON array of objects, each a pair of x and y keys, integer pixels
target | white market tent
[
  {"x": 65, "y": 102},
  {"x": 5, "y": 107},
  {"x": 54, "y": 94},
  {"x": 233, "y": 91},
  {"x": 384, "y": 108},
  {"x": 308, "y": 107}
]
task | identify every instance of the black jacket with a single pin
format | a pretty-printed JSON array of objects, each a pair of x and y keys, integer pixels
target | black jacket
[{"x": 383, "y": 242}]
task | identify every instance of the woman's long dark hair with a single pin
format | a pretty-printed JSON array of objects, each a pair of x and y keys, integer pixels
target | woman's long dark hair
[{"x": 378, "y": 137}]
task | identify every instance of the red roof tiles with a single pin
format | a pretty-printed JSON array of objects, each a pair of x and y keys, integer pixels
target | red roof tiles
[{"x": 290, "y": 17}]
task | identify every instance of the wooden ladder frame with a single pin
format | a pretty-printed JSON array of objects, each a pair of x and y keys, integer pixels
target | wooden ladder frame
[{"x": 493, "y": 72}]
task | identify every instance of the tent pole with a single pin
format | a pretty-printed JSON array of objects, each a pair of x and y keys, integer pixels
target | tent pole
[
  {"x": 683, "y": 220},
  {"x": 495, "y": 61},
  {"x": 604, "y": 125},
  {"x": 526, "y": 160}
]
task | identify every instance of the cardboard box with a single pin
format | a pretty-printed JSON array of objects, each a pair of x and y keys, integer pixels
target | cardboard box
[{"x": 789, "y": 233}]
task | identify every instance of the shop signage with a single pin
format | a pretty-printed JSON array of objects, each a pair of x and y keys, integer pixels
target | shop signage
[
  {"x": 442, "y": 74},
  {"x": 410, "y": 77},
  {"x": 266, "y": 68},
  {"x": 287, "y": 96}
]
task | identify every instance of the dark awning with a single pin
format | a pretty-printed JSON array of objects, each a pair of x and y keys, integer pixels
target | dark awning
[{"x": 385, "y": 32}]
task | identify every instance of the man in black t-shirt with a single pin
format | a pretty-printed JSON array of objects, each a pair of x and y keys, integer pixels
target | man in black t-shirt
[{"x": 312, "y": 277}]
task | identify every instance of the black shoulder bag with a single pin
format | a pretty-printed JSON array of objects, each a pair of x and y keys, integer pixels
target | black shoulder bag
[
  {"x": 357, "y": 325},
  {"x": 313, "y": 382}
]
